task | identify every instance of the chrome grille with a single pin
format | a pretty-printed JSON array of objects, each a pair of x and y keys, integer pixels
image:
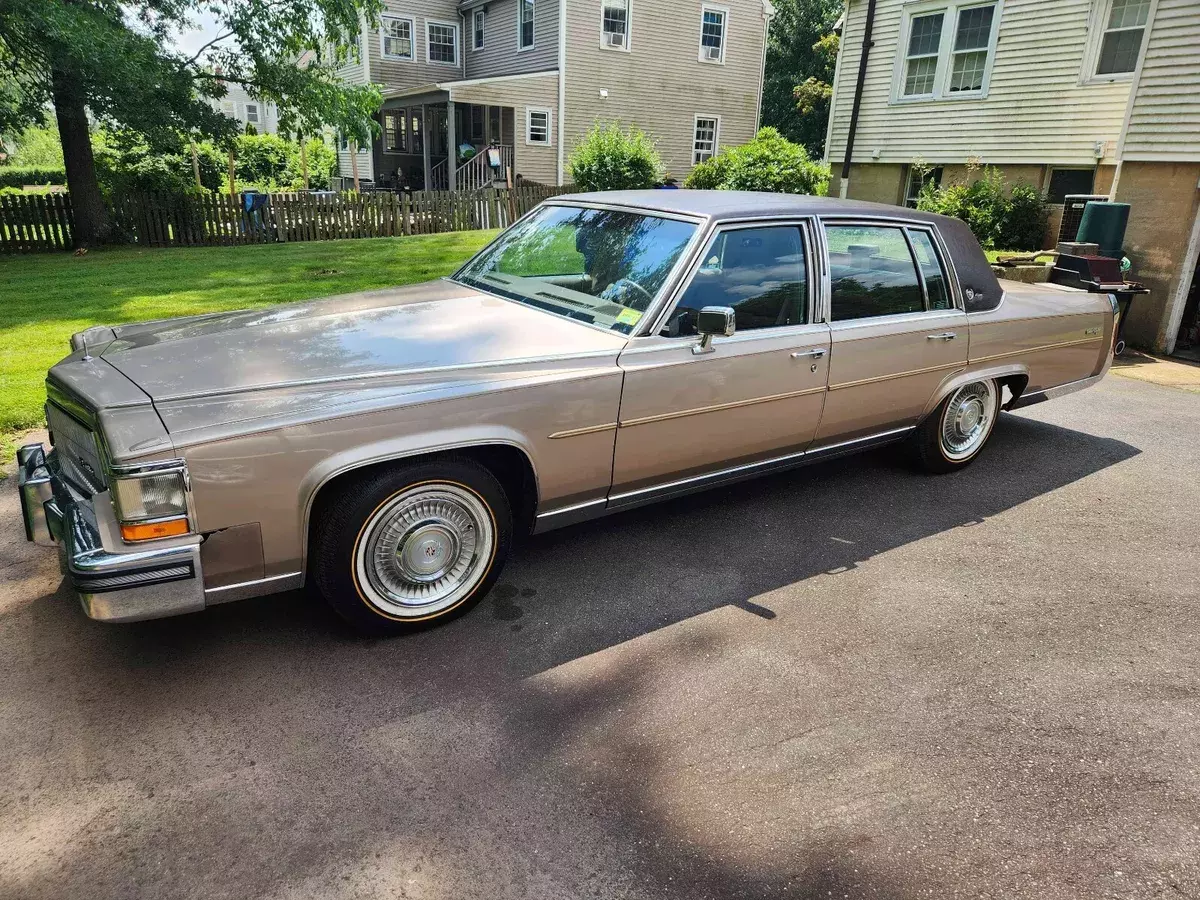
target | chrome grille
[{"x": 78, "y": 453}]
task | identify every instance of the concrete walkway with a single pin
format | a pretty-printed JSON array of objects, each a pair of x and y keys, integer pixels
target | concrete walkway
[{"x": 1161, "y": 370}]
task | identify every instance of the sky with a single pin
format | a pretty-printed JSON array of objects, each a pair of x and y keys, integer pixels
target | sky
[{"x": 191, "y": 41}]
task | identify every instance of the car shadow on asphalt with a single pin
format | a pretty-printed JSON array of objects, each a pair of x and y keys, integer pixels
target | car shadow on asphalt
[{"x": 286, "y": 660}]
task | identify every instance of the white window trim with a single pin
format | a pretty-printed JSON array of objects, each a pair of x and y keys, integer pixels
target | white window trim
[
  {"x": 475, "y": 30},
  {"x": 258, "y": 116},
  {"x": 628, "y": 29},
  {"x": 945, "y": 59},
  {"x": 724, "y": 10},
  {"x": 1097, "y": 26},
  {"x": 457, "y": 35},
  {"x": 532, "y": 44},
  {"x": 529, "y": 111},
  {"x": 716, "y": 147},
  {"x": 412, "y": 30}
]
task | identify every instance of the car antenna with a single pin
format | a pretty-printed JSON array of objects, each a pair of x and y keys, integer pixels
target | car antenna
[{"x": 86, "y": 355}]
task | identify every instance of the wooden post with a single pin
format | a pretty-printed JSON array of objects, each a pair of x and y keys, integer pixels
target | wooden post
[
  {"x": 354, "y": 162},
  {"x": 451, "y": 148},
  {"x": 304, "y": 161},
  {"x": 232, "y": 185},
  {"x": 196, "y": 165}
]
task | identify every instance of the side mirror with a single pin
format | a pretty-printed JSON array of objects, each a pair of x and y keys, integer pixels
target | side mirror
[{"x": 710, "y": 322}]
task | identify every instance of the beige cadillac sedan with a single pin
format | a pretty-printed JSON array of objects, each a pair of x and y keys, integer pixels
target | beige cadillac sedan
[{"x": 607, "y": 351}]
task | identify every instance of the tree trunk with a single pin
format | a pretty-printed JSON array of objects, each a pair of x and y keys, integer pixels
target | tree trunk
[{"x": 92, "y": 222}]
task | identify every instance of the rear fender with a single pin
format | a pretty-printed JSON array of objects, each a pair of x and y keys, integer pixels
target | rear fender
[{"x": 1015, "y": 373}]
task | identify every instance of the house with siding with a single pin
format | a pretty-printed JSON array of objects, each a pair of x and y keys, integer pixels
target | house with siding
[
  {"x": 1091, "y": 97},
  {"x": 246, "y": 109},
  {"x": 527, "y": 79}
]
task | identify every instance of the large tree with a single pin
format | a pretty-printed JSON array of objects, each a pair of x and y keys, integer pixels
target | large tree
[
  {"x": 114, "y": 62},
  {"x": 801, "y": 56}
]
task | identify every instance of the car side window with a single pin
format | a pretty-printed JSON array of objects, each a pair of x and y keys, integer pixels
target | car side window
[
  {"x": 758, "y": 272},
  {"x": 931, "y": 269},
  {"x": 871, "y": 272}
]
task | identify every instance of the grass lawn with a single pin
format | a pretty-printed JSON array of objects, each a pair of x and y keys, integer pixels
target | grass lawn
[{"x": 45, "y": 298}]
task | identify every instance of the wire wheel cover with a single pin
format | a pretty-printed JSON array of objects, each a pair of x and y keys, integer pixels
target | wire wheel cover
[
  {"x": 424, "y": 550},
  {"x": 968, "y": 419}
]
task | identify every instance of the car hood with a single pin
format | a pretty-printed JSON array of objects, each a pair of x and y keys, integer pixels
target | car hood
[{"x": 202, "y": 367}]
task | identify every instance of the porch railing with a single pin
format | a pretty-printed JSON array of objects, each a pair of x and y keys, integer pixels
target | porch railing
[{"x": 473, "y": 175}]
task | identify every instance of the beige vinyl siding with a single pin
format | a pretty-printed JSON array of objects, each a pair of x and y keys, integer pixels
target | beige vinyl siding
[
  {"x": 660, "y": 85},
  {"x": 499, "y": 55},
  {"x": 536, "y": 163},
  {"x": 1164, "y": 118},
  {"x": 1036, "y": 110},
  {"x": 396, "y": 75},
  {"x": 365, "y": 168}
]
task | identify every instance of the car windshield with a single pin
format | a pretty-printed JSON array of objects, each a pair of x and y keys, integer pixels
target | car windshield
[{"x": 600, "y": 266}]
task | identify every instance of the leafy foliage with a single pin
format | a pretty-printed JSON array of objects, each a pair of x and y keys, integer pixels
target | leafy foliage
[
  {"x": 38, "y": 146},
  {"x": 998, "y": 217},
  {"x": 19, "y": 176},
  {"x": 770, "y": 162},
  {"x": 801, "y": 58},
  {"x": 610, "y": 159}
]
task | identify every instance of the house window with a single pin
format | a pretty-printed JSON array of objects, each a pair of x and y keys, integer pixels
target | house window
[
  {"x": 1121, "y": 45},
  {"x": 1069, "y": 181},
  {"x": 343, "y": 142},
  {"x": 396, "y": 38},
  {"x": 712, "y": 34},
  {"x": 537, "y": 126},
  {"x": 252, "y": 113},
  {"x": 478, "y": 124},
  {"x": 946, "y": 52},
  {"x": 920, "y": 64},
  {"x": 417, "y": 131},
  {"x": 916, "y": 181},
  {"x": 394, "y": 131},
  {"x": 479, "y": 20},
  {"x": 524, "y": 24},
  {"x": 972, "y": 37},
  {"x": 229, "y": 108},
  {"x": 704, "y": 142},
  {"x": 443, "y": 42},
  {"x": 614, "y": 24}
]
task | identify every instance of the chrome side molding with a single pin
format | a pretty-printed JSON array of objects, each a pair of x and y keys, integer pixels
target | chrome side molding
[
  {"x": 593, "y": 509},
  {"x": 1052, "y": 393}
]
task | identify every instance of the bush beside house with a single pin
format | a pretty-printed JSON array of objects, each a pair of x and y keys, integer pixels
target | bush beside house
[
  {"x": 770, "y": 162},
  {"x": 610, "y": 159},
  {"x": 999, "y": 217}
]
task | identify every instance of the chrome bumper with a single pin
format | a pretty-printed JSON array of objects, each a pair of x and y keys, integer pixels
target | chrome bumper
[{"x": 113, "y": 585}]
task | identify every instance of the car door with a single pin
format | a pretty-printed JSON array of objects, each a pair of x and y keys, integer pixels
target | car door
[
  {"x": 897, "y": 332},
  {"x": 752, "y": 396}
]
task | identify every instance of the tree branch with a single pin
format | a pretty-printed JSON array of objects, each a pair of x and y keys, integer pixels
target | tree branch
[{"x": 216, "y": 40}]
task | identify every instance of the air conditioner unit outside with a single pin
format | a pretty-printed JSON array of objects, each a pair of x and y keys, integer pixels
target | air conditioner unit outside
[
  {"x": 615, "y": 39},
  {"x": 713, "y": 53}
]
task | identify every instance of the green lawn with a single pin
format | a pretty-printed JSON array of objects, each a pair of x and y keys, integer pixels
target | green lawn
[{"x": 45, "y": 298}]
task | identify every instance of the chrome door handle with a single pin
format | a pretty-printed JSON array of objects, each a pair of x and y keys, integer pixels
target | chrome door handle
[
  {"x": 815, "y": 353},
  {"x": 944, "y": 336}
]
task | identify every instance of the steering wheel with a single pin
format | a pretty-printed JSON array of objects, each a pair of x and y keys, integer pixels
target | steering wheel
[{"x": 620, "y": 282}]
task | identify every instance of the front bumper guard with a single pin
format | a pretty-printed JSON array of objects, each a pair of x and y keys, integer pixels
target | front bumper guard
[{"x": 112, "y": 585}]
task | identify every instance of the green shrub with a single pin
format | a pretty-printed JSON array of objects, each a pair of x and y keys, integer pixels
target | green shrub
[
  {"x": 322, "y": 165},
  {"x": 610, "y": 159},
  {"x": 127, "y": 164},
  {"x": 38, "y": 146},
  {"x": 262, "y": 159},
  {"x": 1013, "y": 220},
  {"x": 19, "y": 176},
  {"x": 770, "y": 162}
]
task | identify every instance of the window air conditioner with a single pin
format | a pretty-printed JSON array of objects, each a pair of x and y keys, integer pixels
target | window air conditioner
[
  {"x": 615, "y": 39},
  {"x": 712, "y": 53}
]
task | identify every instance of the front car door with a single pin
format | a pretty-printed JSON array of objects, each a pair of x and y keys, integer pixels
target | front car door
[
  {"x": 897, "y": 329},
  {"x": 755, "y": 396}
]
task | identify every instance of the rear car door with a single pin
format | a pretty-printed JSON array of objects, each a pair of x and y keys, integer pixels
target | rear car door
[
  {"x": 897, "y": 331},
  {"x": 753, "y": 396}
]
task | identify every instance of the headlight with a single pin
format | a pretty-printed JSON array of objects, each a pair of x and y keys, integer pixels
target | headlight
[{"x": 151, "y": 504}]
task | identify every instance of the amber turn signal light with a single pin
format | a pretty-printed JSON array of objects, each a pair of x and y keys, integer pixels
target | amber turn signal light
[{"x": 148, "y": 531}]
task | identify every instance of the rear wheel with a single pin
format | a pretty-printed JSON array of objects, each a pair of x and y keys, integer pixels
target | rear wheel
[
  {"x": 413, "y": 545},
  {"x": 954, "y": 434}
]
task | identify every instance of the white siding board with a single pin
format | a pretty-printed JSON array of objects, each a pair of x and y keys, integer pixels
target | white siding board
[
  {"x": 1036, "y": 110},
  {"x": 1164, "y": 116}
]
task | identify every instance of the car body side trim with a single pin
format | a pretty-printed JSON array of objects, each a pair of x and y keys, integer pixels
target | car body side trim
[
  {"x": 243, "y": 590},
  {"x": 1054, "y": 392},
  {"x": 577, "y": 432},
  {"x": 700, "y": 410},
  {"x": 1090, "y": 340},
  {"x": 849, "y": 384}
]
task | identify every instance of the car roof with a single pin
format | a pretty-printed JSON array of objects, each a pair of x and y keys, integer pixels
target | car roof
[{"x": 720, "y": 205}]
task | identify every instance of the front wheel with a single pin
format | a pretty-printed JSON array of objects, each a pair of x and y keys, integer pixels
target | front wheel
[
  {"x": 952, "y": 436},
  {"x": 409, "y": 546}
]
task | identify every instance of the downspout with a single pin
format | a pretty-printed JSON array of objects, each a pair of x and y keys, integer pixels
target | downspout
[
  {"x": 366, "y": 64},
  {"x": 768, "y": 13},
  {"x": 562, "y": 88},
  {"x": 844, "y": 187}
]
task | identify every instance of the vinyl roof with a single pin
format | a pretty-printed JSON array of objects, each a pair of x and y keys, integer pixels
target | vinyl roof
[{"x": 744, "y": 204}]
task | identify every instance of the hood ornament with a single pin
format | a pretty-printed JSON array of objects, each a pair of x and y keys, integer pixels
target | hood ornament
[{"x": 86, "y": 355}]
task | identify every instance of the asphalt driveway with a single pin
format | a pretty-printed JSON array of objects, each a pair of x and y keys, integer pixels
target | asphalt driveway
[{"x": 848, "y": 681}]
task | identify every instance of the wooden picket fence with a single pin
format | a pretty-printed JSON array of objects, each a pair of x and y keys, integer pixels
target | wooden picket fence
[{"x": 33, "y": 222}]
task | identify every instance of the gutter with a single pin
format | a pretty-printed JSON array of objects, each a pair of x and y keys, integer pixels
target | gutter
[
  {"x": 844, "y": 187},
  {"x": 562, "y": 90}
]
